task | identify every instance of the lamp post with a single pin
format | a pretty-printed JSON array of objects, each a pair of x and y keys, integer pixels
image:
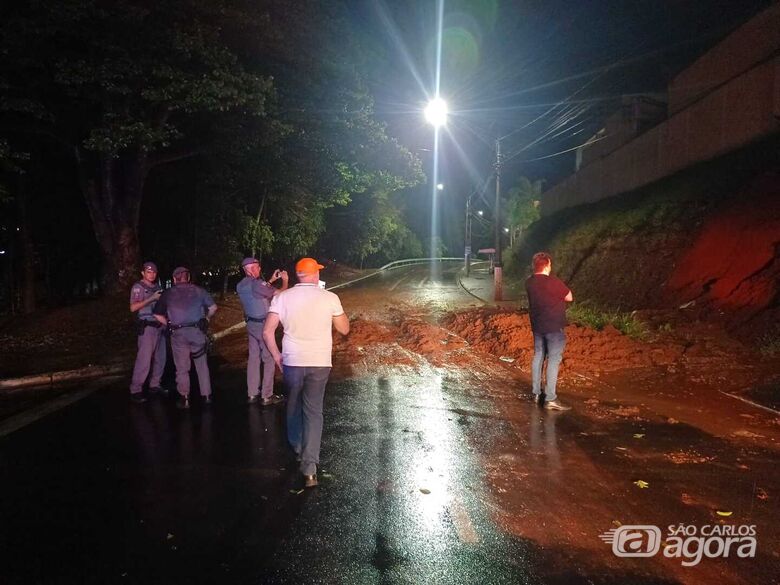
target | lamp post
[{"x": 436, "y": 115}]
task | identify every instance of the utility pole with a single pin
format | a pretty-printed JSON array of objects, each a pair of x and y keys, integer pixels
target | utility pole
[
  {"x": 467, "y": 243},
  {"x": 497, "y": 277}
]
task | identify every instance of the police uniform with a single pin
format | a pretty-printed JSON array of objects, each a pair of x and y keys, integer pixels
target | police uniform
[
  {"x": 186, "y": 305},
  {"x": 256, "y": 295},
  {"x": 151, "y": 343}
]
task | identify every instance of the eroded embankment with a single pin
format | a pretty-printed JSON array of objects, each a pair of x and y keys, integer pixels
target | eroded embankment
[{"x": 709, "y": 238}]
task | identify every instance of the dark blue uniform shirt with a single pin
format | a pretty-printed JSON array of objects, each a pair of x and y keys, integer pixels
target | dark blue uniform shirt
[{"x": 185, "y": 303}]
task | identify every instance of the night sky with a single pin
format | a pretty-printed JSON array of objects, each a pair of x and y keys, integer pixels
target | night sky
[{"x": 506, "y": 64}]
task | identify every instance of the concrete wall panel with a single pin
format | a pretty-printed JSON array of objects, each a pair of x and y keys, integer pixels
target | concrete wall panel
[{"x": 737, "y": 113}]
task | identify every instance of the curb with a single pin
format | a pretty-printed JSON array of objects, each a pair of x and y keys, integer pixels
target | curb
[
  {"x": 9, "y": 385},
  {"x": 463, "y": 286},
  {"x": 52, "y": 378}
]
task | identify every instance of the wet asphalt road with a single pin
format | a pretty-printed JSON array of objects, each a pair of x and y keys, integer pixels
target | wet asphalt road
[{"x": 103, "y": 491}]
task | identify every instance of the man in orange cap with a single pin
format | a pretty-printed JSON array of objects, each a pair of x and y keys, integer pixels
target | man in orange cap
[{"x": 308, "y": 314}]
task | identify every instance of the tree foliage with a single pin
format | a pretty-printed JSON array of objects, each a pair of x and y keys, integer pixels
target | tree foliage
[
  {"x": 268, "y": 95},
  {"x": 522, "y": 207}
]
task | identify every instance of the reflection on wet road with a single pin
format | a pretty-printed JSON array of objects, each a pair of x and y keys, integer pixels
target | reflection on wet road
[
  {"x": 433, "y": 471},
  {"x": 100, "y": 492}
]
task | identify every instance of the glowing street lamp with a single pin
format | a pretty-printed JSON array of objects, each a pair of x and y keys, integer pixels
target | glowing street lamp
[
  {"x": 440, "y": 186},
  {"x": 436, "y": 112}
]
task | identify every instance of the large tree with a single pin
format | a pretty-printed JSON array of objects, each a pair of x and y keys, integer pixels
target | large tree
[
  {"x": 125, "y": 86},
  {"x": 283, "y": 181}
]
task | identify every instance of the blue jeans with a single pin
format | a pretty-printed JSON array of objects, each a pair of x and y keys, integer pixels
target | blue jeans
[
  {"x": 549, "y": 345},
  {"x": 306, "y": 394}
]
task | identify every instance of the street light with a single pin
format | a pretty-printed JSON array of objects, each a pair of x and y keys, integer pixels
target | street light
[
  {"x": 440, "y": 186},
  {"x": 436, "y": 112}
]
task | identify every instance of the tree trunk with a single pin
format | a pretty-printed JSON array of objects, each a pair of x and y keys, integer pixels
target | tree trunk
[
  {"x": 113, "y": 189},
  {"x": 260, "y": 210},
  {"x": 27, "y": 249},
  {"x": 225, "y": 278}
]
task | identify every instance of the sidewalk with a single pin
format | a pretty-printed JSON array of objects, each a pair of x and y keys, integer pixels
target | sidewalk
[{"x": 480, "y": 284}]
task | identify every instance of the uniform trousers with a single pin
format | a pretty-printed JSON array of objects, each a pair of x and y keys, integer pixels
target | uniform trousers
[
  {"x": 186, "y": 343},
  {"x": 258, "y": 352},
  {"x": 151, "y": 356}
]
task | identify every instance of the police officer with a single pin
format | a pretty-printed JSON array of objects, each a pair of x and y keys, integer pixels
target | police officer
[
  {"x": 186, "y": 309},
  {"x": 256, "y": 294},
  {"x": 151, "y": 344}
]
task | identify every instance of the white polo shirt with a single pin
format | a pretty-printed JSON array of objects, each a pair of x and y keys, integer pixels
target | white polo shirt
[{"x": 306, "y": 312}]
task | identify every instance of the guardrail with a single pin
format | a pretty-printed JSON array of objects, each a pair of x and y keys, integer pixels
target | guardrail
[{"x": 392, "y": 266}]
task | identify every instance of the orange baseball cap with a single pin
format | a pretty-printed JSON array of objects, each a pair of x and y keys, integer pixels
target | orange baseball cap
[{"x": 307, "y": 266}]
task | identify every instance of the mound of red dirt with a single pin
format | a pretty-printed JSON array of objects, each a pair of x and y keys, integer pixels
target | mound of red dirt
[{"x": 508, "y": 334}]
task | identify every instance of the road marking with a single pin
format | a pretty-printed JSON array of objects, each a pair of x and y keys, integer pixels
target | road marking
[
  {"x": 462, "y": 522},
  {"x": 397, "y": 282},
  {"x": 27, "y": 417}
]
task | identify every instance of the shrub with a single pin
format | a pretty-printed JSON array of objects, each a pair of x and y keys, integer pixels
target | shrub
[{"x": 596, "y": 318}]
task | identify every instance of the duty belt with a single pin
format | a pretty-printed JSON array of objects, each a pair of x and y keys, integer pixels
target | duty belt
[
  {"x": 182, "y": 326},
  {"x": 147, "y": 323},
  {"x": 253, "y": 319}
]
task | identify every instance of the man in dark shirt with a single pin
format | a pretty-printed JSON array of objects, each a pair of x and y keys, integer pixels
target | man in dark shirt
[{"x": 547, "y": 298}]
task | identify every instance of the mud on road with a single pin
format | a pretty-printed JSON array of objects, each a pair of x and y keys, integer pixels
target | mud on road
[{"x": 657, "y": 434}]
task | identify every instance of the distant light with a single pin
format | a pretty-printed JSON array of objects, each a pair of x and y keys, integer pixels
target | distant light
[
  {"x": 479, "y": 213},
  {"x": 2, "y": 251},
  {"x": 436, "y": 112},
  {"x": 18, "y": 229},
  {"x": 440, "y": 186},
  {"x": 506, "y": 230}
]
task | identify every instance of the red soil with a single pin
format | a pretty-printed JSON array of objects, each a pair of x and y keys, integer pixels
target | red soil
[
  {"x": 733, "y": 264},
  {"x": 508, "y": 334}
]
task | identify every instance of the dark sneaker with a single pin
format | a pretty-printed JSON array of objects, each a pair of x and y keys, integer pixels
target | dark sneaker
[
  {"x": 137, "y": 398},
  {"x": 272, "y": 399},
  {"x": 310, "y": 481},
  {"x": 183, "y": 403},
  {"x": 555, "y": 405},
  {"x": 207, "y": 400},
  {"x": 158, "y": 391},
  {"x": 253, "y": 399}
]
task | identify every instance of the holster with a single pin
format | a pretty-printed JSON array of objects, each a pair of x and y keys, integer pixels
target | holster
[
  {"x": 142, "y": 324},
  {"x": 203, "y": 325}
]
